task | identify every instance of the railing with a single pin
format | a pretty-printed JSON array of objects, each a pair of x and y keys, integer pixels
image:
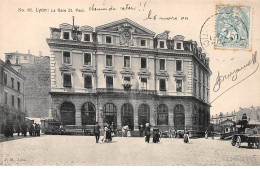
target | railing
[{"x": 130, "y": 91}]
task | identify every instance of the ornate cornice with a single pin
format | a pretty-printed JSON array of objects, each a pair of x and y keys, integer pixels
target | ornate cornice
[
  {"x": 144, "y": 73},
  {"x": 109, "y": 71},
  {"x": 127, "y": 72},
  {"x": 88, "y": 70}
]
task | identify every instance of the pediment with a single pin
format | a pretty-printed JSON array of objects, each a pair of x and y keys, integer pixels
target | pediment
[
  {"x": 67, "y": 69},
  {"x": 124, "y": 24}
]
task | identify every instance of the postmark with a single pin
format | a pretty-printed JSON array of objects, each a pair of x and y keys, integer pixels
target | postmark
[{"x": 232, "y": 27}]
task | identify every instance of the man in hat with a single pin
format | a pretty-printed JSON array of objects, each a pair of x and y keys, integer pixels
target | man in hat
[
  {"x": 97, "y": 131},
  {"x": 147, "y": 132}
]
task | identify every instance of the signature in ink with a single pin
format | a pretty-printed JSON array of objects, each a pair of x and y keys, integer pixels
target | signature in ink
[{"x": 233, "y": 75}]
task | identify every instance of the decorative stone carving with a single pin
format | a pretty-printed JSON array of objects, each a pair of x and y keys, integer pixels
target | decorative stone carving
[
  {"x": 126, "y": 34},
  {"x": 109, "y": 71},
  {"x": 55, "y": 33},
  {"x": 164, "y": 35},
  {"x": 144, "y": 73},
  {"x": 178, "y": 37},
  {"x": 127, "y": 72}
]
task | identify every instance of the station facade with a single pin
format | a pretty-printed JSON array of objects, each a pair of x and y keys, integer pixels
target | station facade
[{"x": 124, "y": 73}]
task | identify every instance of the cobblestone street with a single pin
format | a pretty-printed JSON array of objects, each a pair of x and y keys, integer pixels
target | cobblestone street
[{"x": 82, "y": 150}]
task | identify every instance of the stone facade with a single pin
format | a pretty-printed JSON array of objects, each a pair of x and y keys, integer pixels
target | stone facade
[
  {"x": 11, "y": 95},
  {"x": 125, "y": 71}
]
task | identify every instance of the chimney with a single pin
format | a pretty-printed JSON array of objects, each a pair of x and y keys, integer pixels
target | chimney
[
  {"x": 29, "y": 52},
  {"x": 40, "y": 53}
]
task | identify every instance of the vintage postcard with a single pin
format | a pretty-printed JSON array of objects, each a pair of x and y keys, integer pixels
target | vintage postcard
[{"x": 129, "y": 83}]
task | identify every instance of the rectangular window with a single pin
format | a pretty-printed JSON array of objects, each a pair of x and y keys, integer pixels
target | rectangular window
[
  {"x": 143, "y": 42},
  {"x": 88, "y": 82},
  {"x": 67, "y": 80},
  {"x": 108, "y": 39},
  {"x": 6, "y": 99},
  {"x": 195, "y": 87},
  {"x": 109, "y": 60},
  {"x": 13, "y": 100},
  {"x": 162, "y": 85},
  {"x": 161, "y": 44},
  {"x": 19, "y": 103},
  {"x": 199, "y": 90},
  {"x": 87, "y": 59},
  {"x": 178, "y": 45},
  {"x": 18, "y": 86},
  {"x": 199, "y": 75},
  {"x": 179, "y": 85},
  {"x": 109, "y": 82},
  {"x": 162, "y": 64},
  {"x": 12, "y": 82},
  {"x": 178, "y": 65},
  {"x": 5, "y": 78},
  {"x": 25, "y": 57},
  {"x": 66, "y": 35},
  {"x": 144, "y": 83},
  {"x": 87, "y": 37},
  {"x": 195, "y": 70},
  {"x": 143, "y": 63},
  {"x": 126, "y": 61},
  {"x": 66, "y": 57},
  {"x": 127, "y": 80}
]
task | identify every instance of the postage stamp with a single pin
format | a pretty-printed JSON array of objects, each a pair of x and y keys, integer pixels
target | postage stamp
[{"x": 233, "y": 27}]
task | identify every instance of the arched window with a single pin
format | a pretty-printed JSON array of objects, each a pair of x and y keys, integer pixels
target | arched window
[
  {"x": 162, "y": 115},
  {"x": 67, "y": 113},
  {"x": 143, "y": 114},
  {"x": 88, "y": 114},
  {"x": 179, "y": 117},
  {"x": 128, "y": 115},
  {"x": 110, "y": 113}
]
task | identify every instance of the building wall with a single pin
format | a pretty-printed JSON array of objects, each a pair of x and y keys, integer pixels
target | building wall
[
  {"x": 8, "y": 111},
  {"x": 189, "y": 53}
]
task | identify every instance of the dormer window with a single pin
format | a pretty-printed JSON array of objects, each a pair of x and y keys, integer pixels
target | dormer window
[
  {"x": 108, "y": 39},
  {"x": 161, "y": 44},
  {"x": 87, "y": 37},
  {"x": 178, "y": 45},
  {"x": 143, "y": 42},
  {"x": 87, "y": 59},
  {"x": 66, "y": 35}
]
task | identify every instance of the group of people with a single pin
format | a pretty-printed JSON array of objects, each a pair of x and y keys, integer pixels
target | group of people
[
  {"x": 21, "y": 128},
  {"x": 34, "y": 129},
  {"x": 109, "y": 131}
]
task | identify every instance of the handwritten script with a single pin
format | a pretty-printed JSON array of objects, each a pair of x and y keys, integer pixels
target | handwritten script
[{"x": 234, "y": 75}]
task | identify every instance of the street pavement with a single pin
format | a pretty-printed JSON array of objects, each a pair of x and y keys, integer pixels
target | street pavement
[{"x": 65, "y": 150}]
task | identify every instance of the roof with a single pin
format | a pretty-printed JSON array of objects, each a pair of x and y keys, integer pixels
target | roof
[{"x": 126, "y": 20}]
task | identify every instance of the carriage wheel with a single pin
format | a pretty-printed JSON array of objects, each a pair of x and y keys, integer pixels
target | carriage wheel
[
  {"x": 233, "y": 142},
  {"x": 238, "y": 143},
  {"x": 250, "y": 144},
  {"x": 257, "y": 144}
]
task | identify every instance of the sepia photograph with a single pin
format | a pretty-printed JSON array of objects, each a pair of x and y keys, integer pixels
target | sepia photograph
[{"x": 129, "y": 83}]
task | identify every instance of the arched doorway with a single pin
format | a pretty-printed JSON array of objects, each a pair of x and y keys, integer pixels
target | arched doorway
[
  {"x": 179, "y": 117},
  {"x": 162, "y": 115},
  {"x": 67, "y": 113},
  {"x": 88, "y": 114},
  {"x": 128, "y": 115},
  {"x": 110, "y": 113},
  {"x": 143, "y": 114}
]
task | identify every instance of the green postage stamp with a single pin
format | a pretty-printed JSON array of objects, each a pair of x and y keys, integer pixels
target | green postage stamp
[{"x": 233, "y": 27}]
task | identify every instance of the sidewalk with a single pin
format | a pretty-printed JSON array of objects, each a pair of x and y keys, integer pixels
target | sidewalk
[{"x": 15, "y": 137}]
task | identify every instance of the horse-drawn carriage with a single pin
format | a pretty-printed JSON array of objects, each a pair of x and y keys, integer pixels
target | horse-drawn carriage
[{"x": 246, "y": 134}]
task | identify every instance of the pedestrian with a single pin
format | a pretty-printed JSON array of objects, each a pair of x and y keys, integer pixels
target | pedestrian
[
  {"x": 18, "y": 129},
  {"x": 97, "y": 132},
  {"x": 24, "y": 129},
  {"x": 31, "y": 130},
  {"x": 186, "y": 137},
  {"x": 105, "y": 133},
  {"x": 141, "y": 130},
  {"x": 38, "y": 130},
  {"x": 147, "y": 132},
  {"x": 206, "y": 134}
]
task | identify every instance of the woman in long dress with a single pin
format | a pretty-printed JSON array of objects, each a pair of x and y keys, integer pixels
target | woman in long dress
[{"x": 105, "y": 134}]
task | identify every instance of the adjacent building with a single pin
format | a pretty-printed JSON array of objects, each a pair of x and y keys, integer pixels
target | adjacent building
[
  {"x": 37, "y": 85},
  {"x": 11, "y": 94},
  {"x": 124, "y": 73}
]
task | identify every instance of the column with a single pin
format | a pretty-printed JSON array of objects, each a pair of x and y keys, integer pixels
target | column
[{"x": 78, "y": 117}]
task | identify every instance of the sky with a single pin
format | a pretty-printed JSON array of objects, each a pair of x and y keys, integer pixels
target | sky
[{"x": 25, "y": 26}]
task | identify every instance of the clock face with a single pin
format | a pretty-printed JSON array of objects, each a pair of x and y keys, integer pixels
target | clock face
[{"x": 126, "y": 36}]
